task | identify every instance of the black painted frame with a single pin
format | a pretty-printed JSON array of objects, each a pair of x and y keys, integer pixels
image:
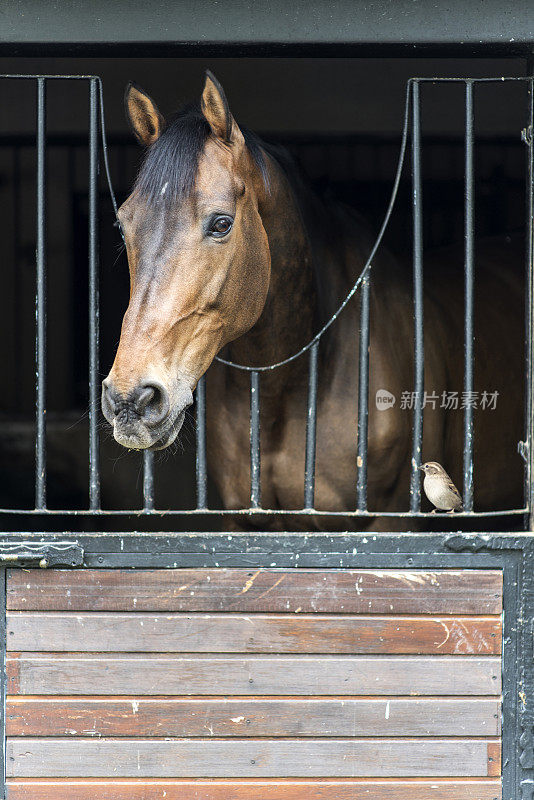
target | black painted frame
[{"x": 513, "y": 554}]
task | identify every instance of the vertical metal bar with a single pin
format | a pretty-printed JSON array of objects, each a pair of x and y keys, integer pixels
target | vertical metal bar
[
  {"x": 17, "y": 277},
  {"x": 529, "y": 301},
  {"x": 202, "y": 482},
  {"x": 255, "y": 488},
  {"x": 418, "y": 303},
  {"x": 40, "y": 304},
  {"x": 468, "y": 288},
  {"x": 94, "y": 361},
  {"x": 311, "y": 429},
  {"x": 363, "y": 395},
  {"x": 148, "y": 480}
]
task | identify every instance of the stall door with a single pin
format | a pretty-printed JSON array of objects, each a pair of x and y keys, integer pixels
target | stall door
[{"x": 235, "y": 684}]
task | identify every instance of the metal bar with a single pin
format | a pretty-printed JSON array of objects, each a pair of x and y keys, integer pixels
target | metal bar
[
  {"x": 311, "y": 430},
  {"x": 201, "y": 461},
  {"x": 17, "y": 277},
  {"x": 529, "y": 310},
  {"x": 94, "y": 327},
  {"x": 469, "y": 298},
  {"x": 26, "y": 76},
  {"x": 255, "y": 487},
  {"x": 148, "y": 480},
  {"x": 192, "y": 512},
  {"x": 363, "y": 395},
  {"x": 419, "y": 346},
  {"x": 40, "y": 304}
]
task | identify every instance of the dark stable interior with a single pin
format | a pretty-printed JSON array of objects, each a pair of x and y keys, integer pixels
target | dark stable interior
[{"x": 340, "y": 118}]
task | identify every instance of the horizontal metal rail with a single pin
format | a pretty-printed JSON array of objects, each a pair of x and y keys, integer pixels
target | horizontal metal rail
[{"x": 302, "y": 512}]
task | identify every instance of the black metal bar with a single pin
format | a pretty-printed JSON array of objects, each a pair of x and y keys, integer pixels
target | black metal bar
[
  {"x": 199, "y": 512},
  {"x": 94, "y": 327},
  {"x": 419, "y": 347},
  {"x": 148, "y": 480},
  {"x": 255, "y": 487},
  {"x": 529, "y": 310},
  {"x": 201, "y": 461},
  {"x": 311, "y": 430},
  {"x": 17, "y": 278},
  {"x": 363, "y": 395},
  {"x": 469, "y": 298},
  {"x": 40, "y": 304}
]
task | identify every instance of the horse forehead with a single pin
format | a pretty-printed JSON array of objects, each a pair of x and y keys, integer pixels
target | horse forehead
[{"x": 216, "y": 171}]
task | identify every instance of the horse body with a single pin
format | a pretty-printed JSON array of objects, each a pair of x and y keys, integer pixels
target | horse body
[{"x": 260, "y": 291}]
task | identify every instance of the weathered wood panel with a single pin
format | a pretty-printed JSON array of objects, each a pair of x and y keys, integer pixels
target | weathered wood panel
[
  {"x": 274, "y": 684},
  {"x": 72, "y": 674},
  {"x": 252, "y": 717},
  {"x": 319, "y": 591},
  {"x": 259, "y": 633},
  {"x": 256, "y": 790},
  {"x": 248, "y": 758}
]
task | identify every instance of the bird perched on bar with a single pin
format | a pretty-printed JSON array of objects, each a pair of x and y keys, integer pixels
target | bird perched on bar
[{"x": 440, "y": 489}]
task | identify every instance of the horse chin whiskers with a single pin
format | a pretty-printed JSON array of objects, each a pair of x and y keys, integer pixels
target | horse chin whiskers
[
  {"x": 143, "y": 439},
  {"x": 170, "y": 434}
]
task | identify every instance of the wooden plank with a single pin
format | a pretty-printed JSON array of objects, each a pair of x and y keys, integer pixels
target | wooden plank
[
  {"x": 252, "y": 675},
  {"x": 258, "y": 633},
  {"x": 268, "y": 590},
  {"x": 139, "y": 717},
  {"x": 262, "y": 758},
  {"x": 494, "y": 758},
  {"x": 256, "y": 790}
]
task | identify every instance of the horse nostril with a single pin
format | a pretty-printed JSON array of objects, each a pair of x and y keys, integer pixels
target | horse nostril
[
  {"x": 152, "y": 403},
  {"x": 109, "y": 401},
  {"x": 144, "y": 398}
]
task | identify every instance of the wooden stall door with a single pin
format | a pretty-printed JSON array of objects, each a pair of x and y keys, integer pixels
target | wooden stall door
[{"x": 233, "y": 684}]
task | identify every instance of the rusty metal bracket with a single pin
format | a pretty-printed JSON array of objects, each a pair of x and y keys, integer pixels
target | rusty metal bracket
[{"x": 44, "y": 555}]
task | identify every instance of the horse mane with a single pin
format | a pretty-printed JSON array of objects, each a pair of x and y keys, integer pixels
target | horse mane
[{"x": 172, "y": 161}]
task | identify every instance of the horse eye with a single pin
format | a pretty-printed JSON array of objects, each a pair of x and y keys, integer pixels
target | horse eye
[{"x": 220, "y": 226}]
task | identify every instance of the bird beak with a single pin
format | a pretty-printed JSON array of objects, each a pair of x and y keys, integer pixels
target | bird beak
[{"x": 422, "y": 469}]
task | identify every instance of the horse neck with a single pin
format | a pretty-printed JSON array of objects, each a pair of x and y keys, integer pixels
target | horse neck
[{"x": 287, "y": 320}]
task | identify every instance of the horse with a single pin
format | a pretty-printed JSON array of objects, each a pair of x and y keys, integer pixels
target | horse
[{"x": 230, "y": 250}]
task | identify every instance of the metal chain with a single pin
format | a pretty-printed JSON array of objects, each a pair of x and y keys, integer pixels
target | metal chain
[{"x": 368, "y": 264}]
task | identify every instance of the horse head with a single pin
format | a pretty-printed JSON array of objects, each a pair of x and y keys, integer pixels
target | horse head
[{"x": 198, "y": 257}]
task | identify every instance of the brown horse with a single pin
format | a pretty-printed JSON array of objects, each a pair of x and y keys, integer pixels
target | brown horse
[{"x": 228, "y": 248}]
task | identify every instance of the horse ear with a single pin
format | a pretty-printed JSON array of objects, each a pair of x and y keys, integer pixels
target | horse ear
[
  {"x": 143, "y": 115},
  {"x": 215, "y": 108}
]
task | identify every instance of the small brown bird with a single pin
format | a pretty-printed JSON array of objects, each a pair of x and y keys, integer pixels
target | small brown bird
[{"x": 439, "y": 488}]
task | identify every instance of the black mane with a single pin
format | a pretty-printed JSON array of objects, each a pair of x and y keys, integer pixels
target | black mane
[{"x": 172, "y": 161}]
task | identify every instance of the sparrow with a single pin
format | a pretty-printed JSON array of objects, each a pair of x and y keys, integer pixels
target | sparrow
[{"x": 439, "y": 488}]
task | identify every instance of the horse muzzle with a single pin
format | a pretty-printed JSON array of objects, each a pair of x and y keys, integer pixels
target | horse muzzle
[{"x": 147, "y": 416}]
